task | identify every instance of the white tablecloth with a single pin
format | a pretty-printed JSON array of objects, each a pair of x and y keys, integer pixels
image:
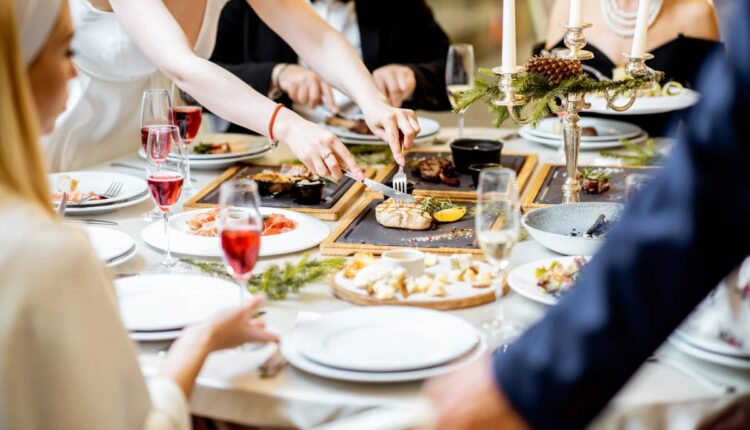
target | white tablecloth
[{"x": 230, "y": 389}]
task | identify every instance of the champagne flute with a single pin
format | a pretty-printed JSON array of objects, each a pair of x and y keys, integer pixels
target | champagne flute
[
  {"x": 459, "y": 77},
  {"x": 187, "y": 115},
  {"x": 497, "y": 226},
  {"x": 156, "y": 110},
  {"x": 165, "y": 177},
  {"x": 240, "y": 228}
]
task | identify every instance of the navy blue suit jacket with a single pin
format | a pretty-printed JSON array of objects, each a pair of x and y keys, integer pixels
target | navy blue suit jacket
[{"x": 677, "y": 239}]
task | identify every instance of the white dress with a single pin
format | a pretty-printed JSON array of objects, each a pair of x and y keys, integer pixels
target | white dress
[
  {"x": 102, "y": 116},
  {"x": 66, "y": 361}
]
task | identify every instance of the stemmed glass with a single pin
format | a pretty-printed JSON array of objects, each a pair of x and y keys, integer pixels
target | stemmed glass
[
  {"x": 156, "y": 111},
  {"x": 459, "y": 77},
  {"x": 165, "y": 177},
  {"x": 187, "y": 115},
  {"x": 497, "y": 226},
  {"x": 240, "y": 227}
]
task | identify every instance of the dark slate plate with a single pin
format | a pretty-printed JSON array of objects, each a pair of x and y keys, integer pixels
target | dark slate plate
[
  {"x": 514, "y": 162},
  {"x": 365, "y": 229},
  {"x": 551, "y": 191},
  {"x": 331, "y": 192}
]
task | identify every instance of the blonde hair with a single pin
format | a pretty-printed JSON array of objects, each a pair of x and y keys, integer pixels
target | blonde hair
[{"x": 22, "y": 169}]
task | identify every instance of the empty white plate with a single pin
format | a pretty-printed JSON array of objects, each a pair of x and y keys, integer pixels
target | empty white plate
[
  {"x": 385, "y": 339},
  {"x": 167, "y": 302},
  {"x": 646, "y": 105},
  {"x": 585, "y": 146},
  {"x": 109, "y": 244},
  {"x": 309, "y": 232},
  {"x": 607, "y": 129}
]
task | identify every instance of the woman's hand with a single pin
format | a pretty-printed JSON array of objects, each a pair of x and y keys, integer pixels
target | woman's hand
[
  {"x": 397, "y": 127},
  {"x": 304, "y": 86},
  {"x": 397, "y": 82},
  {"x": 319, "y": 149},
  {"x": 237, "y": 326}
]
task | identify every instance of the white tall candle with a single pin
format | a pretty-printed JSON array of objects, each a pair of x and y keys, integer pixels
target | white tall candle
[
  {"x": 641, "y": 27},
  {"x": 575, "y": 19},
  {"x": 509, "y": 36}
]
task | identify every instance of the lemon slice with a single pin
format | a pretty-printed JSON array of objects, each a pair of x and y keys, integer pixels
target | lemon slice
[{"x": 450, "y": 215}]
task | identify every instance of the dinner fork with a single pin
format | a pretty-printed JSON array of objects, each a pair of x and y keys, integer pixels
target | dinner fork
[
  {"x": 114, "y": 189},
  {"x": 399, "y": 180},
  {"x": 63, "y": 204}
]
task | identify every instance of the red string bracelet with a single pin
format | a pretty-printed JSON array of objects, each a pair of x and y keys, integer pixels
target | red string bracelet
[{"x": 273, "y": 120}]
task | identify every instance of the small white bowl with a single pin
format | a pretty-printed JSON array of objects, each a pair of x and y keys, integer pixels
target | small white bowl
[
  {"x": 552, "y": 226},
  {"x": 412, "y": 261}
]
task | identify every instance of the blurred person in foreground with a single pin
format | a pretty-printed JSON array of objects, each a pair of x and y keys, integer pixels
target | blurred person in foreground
[
  {"x": 404, "y": 51},
  {"x": 66, "y": 361},
  {"x": 675, "y": 241}
]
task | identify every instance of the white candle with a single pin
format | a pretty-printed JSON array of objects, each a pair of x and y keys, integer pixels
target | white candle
[
  {"x": 575, "y": 19},
  {"x": 641, "y": 27},
  {"x": 509, "y": 36}
]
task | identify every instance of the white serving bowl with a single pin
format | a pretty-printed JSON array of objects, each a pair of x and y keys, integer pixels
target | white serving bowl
[{"x": 552, "y": 226}]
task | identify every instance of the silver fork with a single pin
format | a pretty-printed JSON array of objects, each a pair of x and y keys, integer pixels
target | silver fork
[
  {"x": 276, "y": 362},
  {"x": 114, "y": 190},
  {"x": 63, "y": 204},
  {"x": 399, "y": 180}
]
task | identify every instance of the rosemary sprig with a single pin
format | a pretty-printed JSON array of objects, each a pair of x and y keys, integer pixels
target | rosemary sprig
[
  {"x": 643, "y": 155},
  {"x": 278, "y": 281},
  {"x": 595, "y": 174},
  {"x": 540, "y": 92},
  {"x": 433, "y": 205}
]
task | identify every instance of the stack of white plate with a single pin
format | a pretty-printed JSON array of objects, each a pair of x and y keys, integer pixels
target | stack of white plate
[
  {"x": 610, "y": 133},
  {"x": 646, "y": 105},
  {"x": 383, "y": 344},
  {"x": 158, "y": 307},
  {"x": 430, "y": 129},
  {"x": 254, "y": 146},
  {"x": 113, "y": 247},
  {"x": 711, "y": 349},
  {"x": 134, "y": 190}
]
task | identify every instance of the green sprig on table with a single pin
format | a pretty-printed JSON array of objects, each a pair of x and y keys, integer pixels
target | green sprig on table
[
  {"x": 278, "y": 281},
  {"x": 366, "y": 155},
  {"x": 541, "y": 94},
  {"x": 641, "y": 155}
]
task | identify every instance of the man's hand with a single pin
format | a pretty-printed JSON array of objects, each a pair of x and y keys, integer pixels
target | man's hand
[
  {"x": 468, "y": 399},
  {"x": 396, "y": 82},
  {"x": 305, "y": 86}
]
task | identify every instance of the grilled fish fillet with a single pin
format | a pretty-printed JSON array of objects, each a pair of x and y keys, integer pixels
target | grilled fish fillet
[{"x": 409, "y": 216}]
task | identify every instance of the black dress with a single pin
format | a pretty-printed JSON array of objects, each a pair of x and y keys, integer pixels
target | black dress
[{"x": 680, "y": 59}]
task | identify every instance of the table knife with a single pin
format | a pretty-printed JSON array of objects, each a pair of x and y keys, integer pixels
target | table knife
[{"x": 383, "y": 189}]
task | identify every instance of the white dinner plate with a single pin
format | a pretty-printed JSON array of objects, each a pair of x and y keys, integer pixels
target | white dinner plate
[
  {"x": 585, "y": 146},
  {"x": 646, "y": 105},
  {"x": 309, "y": 232},
  {"x": 296, "y": 359},
  {"x": 109, "y": 243},
  {"x": 253, "y": 145},
  {"x": 170, "y": 302},
  {"x": 708, "y": 343},
  {"x": 100, "y": 209},
  {"x": 522, "y": 280},
  {"x": 215, "y": 163},
  {"x": 155, "y": 336},
  {"x": 123, "y": 258},
  {"x": 429, "y": 127},
  {"x": 98, "y": 182},
  {"x": 607, "y": 129},
  {"x": 712, "y": 357},
  {"x": 385, "y": 339}
]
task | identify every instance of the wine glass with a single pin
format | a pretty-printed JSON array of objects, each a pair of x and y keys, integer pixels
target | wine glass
[
  {"x": 156, "y": 110},
  {"x": 187, "y": 114},
  {"x": 240, "y": 228},
  {"x": 497, "y": 226},
  {"x": 459, "y": 77},
  {"x": 165, "y": 177}
]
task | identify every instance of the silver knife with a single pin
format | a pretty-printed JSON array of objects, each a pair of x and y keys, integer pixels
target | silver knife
[
  {"x": 384, "y": 189},
  {"x": 92, "y": 221}
]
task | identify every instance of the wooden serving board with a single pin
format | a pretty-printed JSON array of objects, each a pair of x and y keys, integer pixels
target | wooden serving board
[
  {"x": 522, "y": 164},
  {"x": 360, "y": 231},
  {"x": 482, "y": 296},
  {"x": 546, "y": 190},
  {"x": 336, "y": 197}
]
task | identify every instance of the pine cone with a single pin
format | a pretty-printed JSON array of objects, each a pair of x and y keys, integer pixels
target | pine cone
[{"x": 554, "y": 69}]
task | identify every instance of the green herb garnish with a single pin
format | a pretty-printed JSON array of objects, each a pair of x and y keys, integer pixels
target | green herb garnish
[
  {"x": 278, "y": 281},
  {"x": 642, "y": 155},
  {"x": 203, "y": 148},
  {"x": 432, "y": 205},
  {"x": 595, "y": 174}
]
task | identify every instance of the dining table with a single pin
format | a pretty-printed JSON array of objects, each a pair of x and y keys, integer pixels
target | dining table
[{"x": 231, "y": 389}]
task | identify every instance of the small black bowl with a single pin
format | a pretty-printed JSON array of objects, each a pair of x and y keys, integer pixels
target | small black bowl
[
  {"x": 308, "y": 192},
  {"x": 475, "y": 151},
  {"x": 409, "y": 186},
  {"x": 272, "y": 188},
  {"x": 474, "y": 169}
]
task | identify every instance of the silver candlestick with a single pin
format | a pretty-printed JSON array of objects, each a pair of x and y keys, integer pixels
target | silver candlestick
[{"x": 572, "y": 103}]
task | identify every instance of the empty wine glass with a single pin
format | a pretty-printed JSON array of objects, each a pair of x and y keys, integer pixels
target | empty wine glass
[
  {"x": 156, "y": 110},
  {"x": 497, "y": 224},
  {"x": 187, "y": 114},
  {"x": 459, "y": 77},
  {"x": 240, "y": 228},
  {"x": 165, "y": 177}
]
